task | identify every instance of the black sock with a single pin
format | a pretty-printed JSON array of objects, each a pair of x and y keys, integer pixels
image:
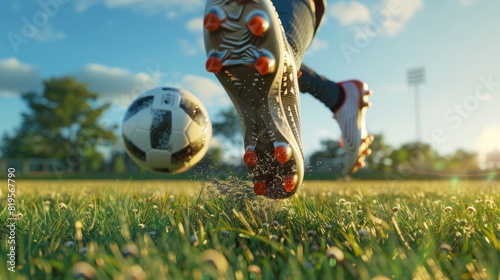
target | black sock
[{"x": 326, "y": 91}]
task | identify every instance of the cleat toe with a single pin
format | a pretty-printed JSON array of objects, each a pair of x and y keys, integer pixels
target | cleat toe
[{"x": 260, "y": 188}]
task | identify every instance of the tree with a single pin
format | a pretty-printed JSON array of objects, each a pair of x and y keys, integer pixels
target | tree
[
  {"x": 227, "y": 126},
  {"x": 379, "y": 159},
  {"x": 493, "y": 159},
  {"x": 62, "y": 123},
  {"x": 328, "y": 159}
]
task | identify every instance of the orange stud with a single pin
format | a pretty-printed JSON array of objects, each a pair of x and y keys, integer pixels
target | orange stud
[
  {"x": 289, "y": 182},
  {"x": 299, "y": 74},
  {"x": 258, "y": 25},
  {"x": 263, "y": 65},
  {"x": 211, "y": 22},
  {"x": 260, "y": 188},
  {"x": 282, "y": 154},
  {"x": 341, "y": 142},
  {"x": 367, "y": 152},
  {"x": 361, "y": 164},
  {"x": 250, "y": 158},
  {"x": 213, "y": 65}
]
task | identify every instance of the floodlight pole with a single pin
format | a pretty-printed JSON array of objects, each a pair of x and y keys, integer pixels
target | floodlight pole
[{"x": 416, "y": 76}]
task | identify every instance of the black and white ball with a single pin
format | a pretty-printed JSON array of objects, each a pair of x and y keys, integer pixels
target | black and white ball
[{"x": 167, "y": 130}]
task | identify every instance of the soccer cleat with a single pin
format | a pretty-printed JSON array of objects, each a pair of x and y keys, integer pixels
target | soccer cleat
[
  {"x": 248, "y": 53},
  {"x": 351, "y": 118}
]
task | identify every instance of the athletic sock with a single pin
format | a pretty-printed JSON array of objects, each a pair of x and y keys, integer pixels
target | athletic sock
[{"x": 326, "y": 91}]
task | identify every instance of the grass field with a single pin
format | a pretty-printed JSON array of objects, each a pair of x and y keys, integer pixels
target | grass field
[{"x": 216, "y": 230}]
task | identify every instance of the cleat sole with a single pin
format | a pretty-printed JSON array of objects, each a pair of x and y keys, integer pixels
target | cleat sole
[{"x": 253, "y": 62}]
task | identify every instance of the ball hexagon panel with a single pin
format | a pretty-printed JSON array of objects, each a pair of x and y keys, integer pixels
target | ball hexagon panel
[
  {"x": 161, "y": 161},
  {"x": 158, "y": 158},
  {"x": 178, "y": 141},
  {"x": 129, "y": 127},
  {"x": 144, "y": 119},
  {"x": 141, "y": 139},
  {"x": 138, "y": 105},
  {"x": 194, "y": 132},
  {"x": 135, "y": 153},
  {"x": 181, "y": 120}
]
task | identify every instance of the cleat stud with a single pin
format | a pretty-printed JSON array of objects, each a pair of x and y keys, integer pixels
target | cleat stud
[
  {"x": 260, "y": 188},
  {"x": 282, "y": 154},
  {"x": 361, "y": 164},
  {"x": 299, "y": 74},
  {"x": 211, "y": 22},
  {"x": 250, "y": 158},
  {"x": 367, "y": 152},
  {"x": 258, "y": 25},
  {"x": 263, "y": 65},
  {"x": 341, "y": 142},
  {"x": 289, "y": 182},
  {"x": 213, "y": 65}
]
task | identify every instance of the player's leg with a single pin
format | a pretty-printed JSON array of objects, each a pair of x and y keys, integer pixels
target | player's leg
[
  {"x": 250, "y": 55},
  {"x": 348, "y": 101}
]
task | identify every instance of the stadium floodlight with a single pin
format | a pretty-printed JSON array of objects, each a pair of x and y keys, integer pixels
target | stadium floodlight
[{"x": 416, "y": 77}]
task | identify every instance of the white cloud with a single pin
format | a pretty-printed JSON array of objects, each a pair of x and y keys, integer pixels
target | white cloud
[
  {"x": 145, "y": 6},
  {"x": 188, "y": 48},
  {"x": 406, "y": 11},
  {"x": 349, "y": 13},
  {"x": 209, "y": 91},
  {"x": 392, "y": 15},
  {"x": 195, "y": 25},
  {"x": 17, "y": 78},
  {"x": 116, "y": 84},
  {"x": 468, "y": 2},
  {"x": 49, "y": 33},
  {"x": 317, "y": 45}
]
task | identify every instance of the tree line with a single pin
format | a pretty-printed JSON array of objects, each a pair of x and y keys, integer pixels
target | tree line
[{"x": 64, "y": 123}]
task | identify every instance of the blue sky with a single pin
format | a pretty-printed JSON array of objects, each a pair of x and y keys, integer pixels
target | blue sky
[{"x": 123, "y": 47}]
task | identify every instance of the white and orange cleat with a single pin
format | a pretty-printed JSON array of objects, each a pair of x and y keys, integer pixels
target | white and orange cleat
[
  {"x": 351, "y": 118},
  {"x": 248, "y": 53}
]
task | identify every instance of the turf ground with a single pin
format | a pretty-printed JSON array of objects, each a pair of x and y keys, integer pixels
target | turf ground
[{"x": 217, "y": 230}]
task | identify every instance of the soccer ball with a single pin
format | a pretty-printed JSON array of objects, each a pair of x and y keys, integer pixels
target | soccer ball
[{"x": 166, "y": 130}]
